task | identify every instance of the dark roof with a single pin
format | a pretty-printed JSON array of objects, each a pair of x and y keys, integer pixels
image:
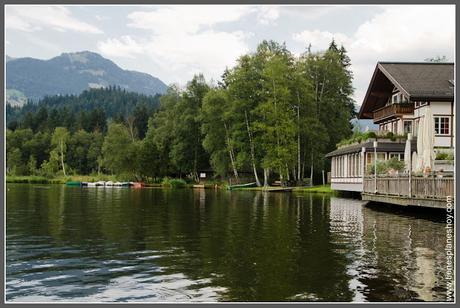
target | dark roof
[
  {"x": 381, "y": 147},
  {"x": 425, "y": 81}
]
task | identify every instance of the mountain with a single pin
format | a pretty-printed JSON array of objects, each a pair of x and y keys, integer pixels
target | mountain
[{"x": 72, "y": 73}]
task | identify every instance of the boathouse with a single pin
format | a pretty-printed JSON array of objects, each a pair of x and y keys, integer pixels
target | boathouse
[{"x": 399, "y": 96}]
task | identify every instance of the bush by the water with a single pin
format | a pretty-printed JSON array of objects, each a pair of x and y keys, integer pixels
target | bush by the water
[{"x": 174, "y": 183}]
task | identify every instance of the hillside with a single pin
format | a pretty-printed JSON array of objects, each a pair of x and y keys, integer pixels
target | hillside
[{"x": 72, "y": 73}]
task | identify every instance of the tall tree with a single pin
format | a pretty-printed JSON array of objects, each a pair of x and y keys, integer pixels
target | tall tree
[{"x": 59, "y": 141}]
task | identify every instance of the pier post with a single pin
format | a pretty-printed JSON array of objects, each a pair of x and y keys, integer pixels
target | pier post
[
  {"x": 409, "y": 136},
  {"x": 375, "y": 166}
]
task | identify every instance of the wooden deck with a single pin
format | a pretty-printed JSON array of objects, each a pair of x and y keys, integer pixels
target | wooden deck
[{"x": 416, "y": 191}]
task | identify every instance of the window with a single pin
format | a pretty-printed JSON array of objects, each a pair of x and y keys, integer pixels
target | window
[
  {"x": 420, "y": 104},
  {"x": 395, "y": 98},
  {"x": 403, "y": 99},
  {"x": 370, "y": 157},
  {"x": 407, "y": 127},
  {"x": 442, "y": 125},
  {"x": 394, "y": 127},
  {"x": 399, "y": 156}
]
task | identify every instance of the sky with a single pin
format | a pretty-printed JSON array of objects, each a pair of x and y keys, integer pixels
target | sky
[{"x": 175, "y": 42}]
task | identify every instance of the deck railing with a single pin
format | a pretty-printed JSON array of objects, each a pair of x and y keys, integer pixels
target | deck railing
[
  {"x": 420, "y": 187},
  {"x": 392, "y": 110}
]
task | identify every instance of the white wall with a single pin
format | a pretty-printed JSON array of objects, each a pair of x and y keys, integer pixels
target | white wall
[{"x": 439, "y": 108}]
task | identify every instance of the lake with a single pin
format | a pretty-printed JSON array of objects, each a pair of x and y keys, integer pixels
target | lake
[{"x": 75, "y": 244}]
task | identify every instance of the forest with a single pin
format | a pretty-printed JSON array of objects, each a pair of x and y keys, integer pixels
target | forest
[{"x": 272, "y": 116}]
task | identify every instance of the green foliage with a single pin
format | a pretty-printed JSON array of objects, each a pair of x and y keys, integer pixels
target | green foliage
[
  {"x": 89, "y": 110},
  {"x": 444, "y": 156},
  {"x": 273, "y": 112},
  {"x": 359, "y": 137},
  {"x": 383, "y": 167},
  {"x": 214, "y": 127},
  {"x": 119, "y": 151},
  {"x": 173, "y": 183}
]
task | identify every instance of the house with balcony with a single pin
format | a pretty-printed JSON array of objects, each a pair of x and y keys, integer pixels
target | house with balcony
[{"x": 398, "y": 96}]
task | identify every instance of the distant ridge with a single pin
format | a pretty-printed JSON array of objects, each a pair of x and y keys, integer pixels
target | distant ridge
[{"x": 72, "y": 73}]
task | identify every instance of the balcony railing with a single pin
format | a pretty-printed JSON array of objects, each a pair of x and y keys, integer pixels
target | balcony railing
[
  {"x": 393, "y": 110},
  {"x": 427, "y": 188}
]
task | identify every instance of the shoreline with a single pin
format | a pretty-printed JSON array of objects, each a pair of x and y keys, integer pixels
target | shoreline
[{"x": 324, "y": 189}]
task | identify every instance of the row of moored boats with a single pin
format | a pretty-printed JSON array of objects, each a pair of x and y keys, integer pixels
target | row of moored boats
[{"x": 106, "y": 184}]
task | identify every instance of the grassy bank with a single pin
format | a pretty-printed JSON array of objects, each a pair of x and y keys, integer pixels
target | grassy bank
[
  {"x": 324, "y": 189},
  {"x": 166, "y": 183}
]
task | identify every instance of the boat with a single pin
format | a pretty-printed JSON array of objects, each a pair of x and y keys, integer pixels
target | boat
[
  {"x": 109, "y": 183},
  {"x": 230, "y": 187},
  {"x": 136, "y": 184},
  {"x": 90, "y": 184},
  {"x": 100, "y": 183},
  {"x": 198, "y": 185},
  {"x": 73, "y": 183}
]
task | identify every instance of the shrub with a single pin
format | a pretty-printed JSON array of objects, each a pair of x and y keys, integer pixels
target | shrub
[
  {"x": 174, "y": 183},
  {"x": 357, "y": 137},
  {"x": 383, "y": 167},
  {"x": 444, "y": 156}
]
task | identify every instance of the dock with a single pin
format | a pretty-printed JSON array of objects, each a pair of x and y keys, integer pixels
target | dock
[{"x": 278, "y": 189}]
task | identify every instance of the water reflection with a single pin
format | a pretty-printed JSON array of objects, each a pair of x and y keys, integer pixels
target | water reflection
[{"x": 72, "y": 244}]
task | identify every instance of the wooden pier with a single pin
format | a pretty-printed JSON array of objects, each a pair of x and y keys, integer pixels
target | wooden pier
[{"x": 431, "y": 191}]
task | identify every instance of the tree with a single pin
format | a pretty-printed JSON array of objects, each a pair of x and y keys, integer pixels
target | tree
[
  {"x": 215, "y": 125},
  {"x": 141, "y": 118},
  {"x": 59, "y": 141},
  {"x": 118, "y": 150}
]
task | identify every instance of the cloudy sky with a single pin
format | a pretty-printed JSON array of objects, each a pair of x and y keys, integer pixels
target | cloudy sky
[{"x": 175, "y": 42}]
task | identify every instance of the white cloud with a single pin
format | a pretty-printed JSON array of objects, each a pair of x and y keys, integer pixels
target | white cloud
[
  {"x": 183, "y": 40},
  {"x": 188, "y": 19},
  {"x": 320, "y": 40},
  {"x": 34, "y": 18},
  {"x": 398, "y": 33},
  {"x": 268, "y": 14},
  {"x": 123, "y": 47}
]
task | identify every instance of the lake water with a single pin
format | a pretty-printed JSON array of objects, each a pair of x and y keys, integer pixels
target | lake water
[{"x": 98, "y": 244}]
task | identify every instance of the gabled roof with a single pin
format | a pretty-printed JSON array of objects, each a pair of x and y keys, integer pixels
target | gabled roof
[{"x": 416, "y": 80}]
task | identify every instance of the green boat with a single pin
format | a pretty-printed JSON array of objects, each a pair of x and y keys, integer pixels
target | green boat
[
  {"x": 73, "y": 183},
  {"x": 230, "y": 187}
]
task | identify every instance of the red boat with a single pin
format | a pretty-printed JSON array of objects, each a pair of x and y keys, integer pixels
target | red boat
[{"x": 137, "y": 184}]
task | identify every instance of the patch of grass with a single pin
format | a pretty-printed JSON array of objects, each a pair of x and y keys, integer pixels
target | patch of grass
[
  {"x": 323, "y": 189},
  {"x": 32, "y": 179}
]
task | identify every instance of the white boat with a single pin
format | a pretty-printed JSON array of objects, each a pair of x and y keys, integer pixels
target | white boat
[
  {"x": 91, "y": 184},
  {"x": 109, "y": 183}
]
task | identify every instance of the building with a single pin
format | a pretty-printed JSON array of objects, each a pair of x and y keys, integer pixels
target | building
[{"x": 398, "y": 96}]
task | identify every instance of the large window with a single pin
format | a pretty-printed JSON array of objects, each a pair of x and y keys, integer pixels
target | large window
[
  {"x": 442, "y": 125},
  {"x": 370, "y": 157},
  {"x": 407, "y": 127}
]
